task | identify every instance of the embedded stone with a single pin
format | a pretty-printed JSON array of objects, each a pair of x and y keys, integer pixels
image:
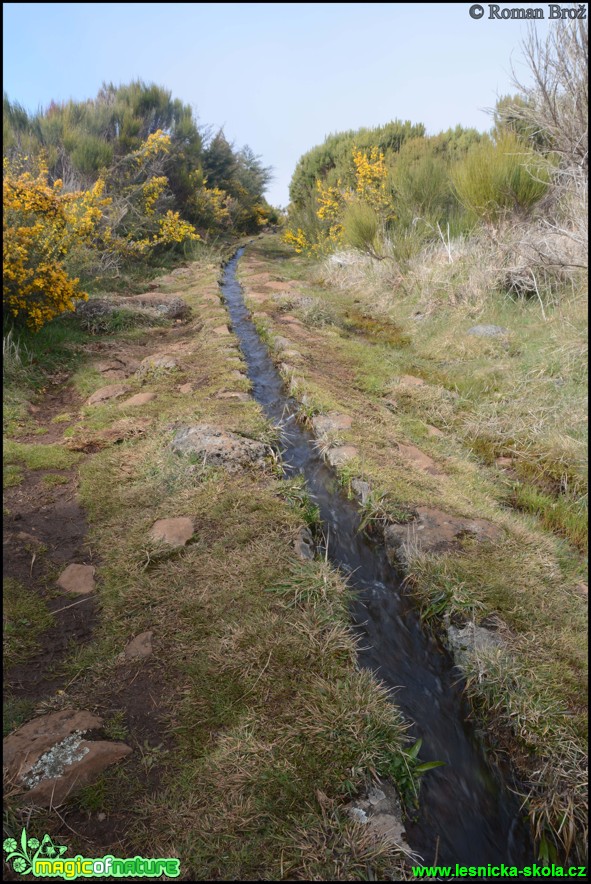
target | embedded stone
[
  {"x": 140, "y": 646},
  {"x": 230, "y": 394},
  {"x": 487, "y": 331},
  {"x": 157, "y": 362},
  {"x": 113, "y": 391},
  {"x": 304, "y": 544},
  {"x": 138, "y": 399},
  {"x": 186, "y": 388},
  {"x": 24, "y": 746},
  {"x": 75, "y": 763},
  {"x": 218, "y": 447},
  {"x": 175, "y": 532},
  {"x": 434, "y": 431},
  {"x": 421, "y": 460},
  {"x": 222, "y": 331},
  {"x": 434, "y": 531},
  {"x": 77, "y": 579},
  {"x": 362, "y": 489},
  {"x": 339, "y": 456},
  {"x": 328, "y": 423},
  {"x": 410, "y": 380}
]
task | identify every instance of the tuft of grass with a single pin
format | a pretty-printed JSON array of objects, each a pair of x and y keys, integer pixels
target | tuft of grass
[
  {"x": 39, "y": 457},
  {"x": 25, "y": 617},
  {"x": 11, "y": 475}
]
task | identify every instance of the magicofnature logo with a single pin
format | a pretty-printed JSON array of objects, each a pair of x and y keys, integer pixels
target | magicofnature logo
[{"x": 45, "y": 859}]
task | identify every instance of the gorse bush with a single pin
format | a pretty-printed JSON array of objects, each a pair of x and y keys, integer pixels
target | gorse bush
[{"x": 495, "y": 180}]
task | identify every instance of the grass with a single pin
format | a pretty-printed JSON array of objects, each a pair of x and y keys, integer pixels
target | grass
[
  {"x": 39, "y": 457},
  {"x": 25, "y": 617},
  {"x": 522, "y": 397}
]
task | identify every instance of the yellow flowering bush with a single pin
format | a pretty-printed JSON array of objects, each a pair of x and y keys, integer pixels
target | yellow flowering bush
[
  {"x": 369, "y": 187},
  {"x": 41, "y": 226}
]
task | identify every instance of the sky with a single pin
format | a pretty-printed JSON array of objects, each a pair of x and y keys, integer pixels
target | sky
[{"x": 279, "y": 77}]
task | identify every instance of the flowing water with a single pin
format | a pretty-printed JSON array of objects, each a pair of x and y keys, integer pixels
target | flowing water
[{"x": 467, "y": 814}]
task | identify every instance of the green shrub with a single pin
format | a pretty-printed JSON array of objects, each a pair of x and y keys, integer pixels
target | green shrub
[
  {"x": 495, "y": 180},
  {"x": 361, "y": 226}
]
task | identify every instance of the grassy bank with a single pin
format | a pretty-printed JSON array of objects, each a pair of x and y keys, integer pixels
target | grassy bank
[{"x": 479, "y": 427}]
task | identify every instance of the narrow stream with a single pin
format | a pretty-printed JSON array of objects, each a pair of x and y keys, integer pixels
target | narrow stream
[{"x": 467, "y": 814}]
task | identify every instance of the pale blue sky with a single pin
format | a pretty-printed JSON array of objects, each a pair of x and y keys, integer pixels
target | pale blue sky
[{"x": 280, "y": 76}]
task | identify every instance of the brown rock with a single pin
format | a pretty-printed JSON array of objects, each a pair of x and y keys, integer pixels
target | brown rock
[
  {"x": 186, "y": 388},
  {"x": 433, "y": 431},
  {"x": 229, "y": 394},
  {"x": 23, "y": 747},
  {"x": 410, "y": 380},
  {"x": 140, "y": 646},
  {"x": 106, "y": 393},
  {"x": 138, "y": 399},
  {"x": 77, "y": 579},
  {"x": 80, "y": 765},
  {"x": 175, "y": 532},
  {"x": 222, "y": 331},
  {"x": 434, "y": 531},
  {"x": 419, "y": 459}
]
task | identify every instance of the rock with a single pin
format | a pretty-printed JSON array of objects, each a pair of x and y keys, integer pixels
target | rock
[
  {"x": 75, "y": 763},
  {"x": 471, "y": 640},
  {"x": 419, "y": 459},
  {"x": 434, "y": 531},
  {"x": 409, "y": 380},
  {"x": 157, "y": 362},
  {"x": 175, "y": 532},
  {"x": 140, "y": 646},
  {"x": 386, "y": 826},
  {"x": 328, "y": 423},
  {"x": 222, "y": 331},
  {"x": 291, "y": 354},
  {"x": 304, "y": 544},
  {"x": 168, "y": 306},
  {"x": 381, "y": 813},
  {"x": 487, "y": 331},
  {"x": 433, "y": 431},
  {"x": 281, "y": 343},
  {"x": 218, "y": 447},
  {"x": 138, "y": 399},
  {"x": 23, "y": 748},
  {"x": 339, "y": 456},
  {"x": 230, "y": 394},
  {"x": 362, "y": 490},
  {"x": 77, "y": 579},
  {"x": 113, "y": 391},
  {"x": 185, "y": 388}
]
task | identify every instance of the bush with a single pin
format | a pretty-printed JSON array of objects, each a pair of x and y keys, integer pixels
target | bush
[
  {"x": 495, "y": 180},
  {"x": 361, "y": 226}
]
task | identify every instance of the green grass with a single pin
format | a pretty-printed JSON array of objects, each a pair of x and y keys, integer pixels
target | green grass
[
  {"x": 39, "y": 457},
  {"x": 11, "y": 475},
  {"x": 25, "y": 617}
]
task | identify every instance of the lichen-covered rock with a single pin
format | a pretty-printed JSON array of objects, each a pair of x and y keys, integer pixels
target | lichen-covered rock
[
  {"x": 218, "y": 447},
  {"x": 330, "y": 423},
  {"x": 488, "y": 331},
  {"x": 113, "y": 391}
]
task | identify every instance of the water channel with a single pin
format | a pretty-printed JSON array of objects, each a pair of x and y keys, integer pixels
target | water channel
[{"x": 467, "y": 814}]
